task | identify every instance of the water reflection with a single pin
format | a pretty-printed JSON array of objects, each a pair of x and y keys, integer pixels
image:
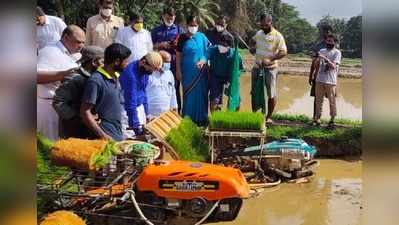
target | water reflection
[
  {"x": 294, "y": 97},
  {"x": 331, "y": 198}
]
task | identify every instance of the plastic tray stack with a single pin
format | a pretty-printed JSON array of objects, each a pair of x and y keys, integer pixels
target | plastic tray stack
[{"x": 160, "y": 127}]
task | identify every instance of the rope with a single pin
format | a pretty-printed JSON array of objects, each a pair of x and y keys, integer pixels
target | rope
[{"x": 208, "y": 214}]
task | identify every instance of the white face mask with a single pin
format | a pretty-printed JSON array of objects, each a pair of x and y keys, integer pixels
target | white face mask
[
  {"x": 223, "y": 49},
  {"x": 193, "y": 29},
  {"x": 106, "y": 12},
  {"x": 219, "y": 28},
  {"x": 168, "y": 24}
]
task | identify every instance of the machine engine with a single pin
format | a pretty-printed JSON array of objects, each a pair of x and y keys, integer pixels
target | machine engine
[
  {"x": 191, "y": 190},
  {"x": 287, "y": 158}
]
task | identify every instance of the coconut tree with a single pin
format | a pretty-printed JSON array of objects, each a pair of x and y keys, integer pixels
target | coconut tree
[{"x": 204, "y": 9}]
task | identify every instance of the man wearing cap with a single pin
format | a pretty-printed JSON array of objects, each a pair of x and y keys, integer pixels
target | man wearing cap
[
  {"x": 134, "y": 80},
  {"x": 101, "y": 29},
  {"x": 68, "y": 96},
  {"x": 160, "y": 91},
  {"x": 54, "y": 63}
]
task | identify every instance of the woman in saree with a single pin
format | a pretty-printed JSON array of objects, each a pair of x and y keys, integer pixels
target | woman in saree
[{"x": 192, "y": 70}]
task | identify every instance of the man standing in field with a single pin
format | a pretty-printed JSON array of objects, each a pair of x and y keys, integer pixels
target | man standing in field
[
  {"x": 329, "y": 59},
  {"x": 269, "y": 46},
  {"x": 324, "y": 31}
]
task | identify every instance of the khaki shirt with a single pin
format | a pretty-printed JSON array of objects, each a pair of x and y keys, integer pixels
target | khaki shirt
[
  {"x": 100, "y": 32},
  {"x": 267, "y": 45}
]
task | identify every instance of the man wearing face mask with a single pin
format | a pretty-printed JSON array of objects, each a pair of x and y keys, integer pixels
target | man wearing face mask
[
  {"x": 329, "y": 59},
  {"x": 160, "y": 91},
  {"x": 221, "y": 59},
  {"x": 215, "y": 34},
  {"x": 134, "y": 81},
  {"x": 269, "y": 46},
  {"x": 165, "y": 38},
  {"x": 103, "y": 96},
  {"x": 102, "y": 28},
  {"x": 135, "y": 37}
]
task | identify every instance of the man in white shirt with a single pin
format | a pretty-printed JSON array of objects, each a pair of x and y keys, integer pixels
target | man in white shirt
[
  {"x": 329, "y": 59},
  {"x": 54, "y": 63},
  {"x": 101, "y": 29},
  {"x": 48, "y": 28},
  {"x": 269, "y": 46},
  {"x": 135, "y": 37},
  {"x": 160, "y": 91}
]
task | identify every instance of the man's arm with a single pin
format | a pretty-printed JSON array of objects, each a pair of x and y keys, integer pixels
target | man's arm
[
  {"x": 330, "y": 63},
  {"x": 252, "y": 46},
  {"x": 129, "y": 84},
  {"x": 89, "y": 120},
  {"x": 45, "y": 77}
]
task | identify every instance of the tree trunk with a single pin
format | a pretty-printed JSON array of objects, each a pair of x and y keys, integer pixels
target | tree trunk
[{"x": 59, "y": 4}]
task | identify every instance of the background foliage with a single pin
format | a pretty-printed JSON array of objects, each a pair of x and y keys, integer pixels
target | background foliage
[{"x": 243, "y": 14}]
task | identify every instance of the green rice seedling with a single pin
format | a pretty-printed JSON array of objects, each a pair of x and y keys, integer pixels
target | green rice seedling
[
  {"x": 236, "y": 120},
  {"x": 188, "y": 141}
]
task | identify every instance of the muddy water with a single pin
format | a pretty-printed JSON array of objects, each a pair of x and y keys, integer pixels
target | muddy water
[
  {"x": 294, "y": 96},
  {"x": 333, "y": 197}
]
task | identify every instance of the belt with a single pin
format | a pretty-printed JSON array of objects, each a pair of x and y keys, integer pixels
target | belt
[{"x": 46, "y": 98}]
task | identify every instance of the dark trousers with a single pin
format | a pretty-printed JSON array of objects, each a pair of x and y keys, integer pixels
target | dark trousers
[{"x": 74, "y": 128}]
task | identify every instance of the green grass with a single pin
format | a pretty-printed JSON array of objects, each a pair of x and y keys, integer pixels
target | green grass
[
  {"x": 236, "y": 120},
  {"x": 305, "y": 119},
  {"x": 189, "y": 141},
  {"x": 348, "y": 136}
]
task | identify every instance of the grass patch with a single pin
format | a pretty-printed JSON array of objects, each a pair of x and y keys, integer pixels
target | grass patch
[
  {"x": 305, "y": 119},
  {"x": 236, "y": 120},
  {"x": 188, "y": 141},
  {"x": 351, "y": 137}
]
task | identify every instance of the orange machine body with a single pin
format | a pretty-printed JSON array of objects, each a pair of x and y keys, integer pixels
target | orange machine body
[{"x": 188, "y": 180}]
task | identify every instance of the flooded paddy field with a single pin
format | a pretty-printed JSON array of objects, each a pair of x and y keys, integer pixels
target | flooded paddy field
[{"x": 332, "y": 197}]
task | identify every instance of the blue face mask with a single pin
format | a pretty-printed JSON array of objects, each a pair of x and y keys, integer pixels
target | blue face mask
[{"x": 166, "y": 66}]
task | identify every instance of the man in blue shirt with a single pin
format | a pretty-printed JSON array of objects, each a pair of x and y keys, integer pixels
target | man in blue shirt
[
  {"x": 165, "y": 38},
  {"x": 102, "y": 95},
  {"x": 134, "y": 80}
]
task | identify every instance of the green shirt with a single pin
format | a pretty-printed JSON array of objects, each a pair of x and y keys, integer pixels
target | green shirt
[{"x": 221, "y": 64}]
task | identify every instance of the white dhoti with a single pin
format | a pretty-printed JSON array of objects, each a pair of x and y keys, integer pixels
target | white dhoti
[
  {"x": 47, "y": 119},
  {"x": 129, "y": 134}
]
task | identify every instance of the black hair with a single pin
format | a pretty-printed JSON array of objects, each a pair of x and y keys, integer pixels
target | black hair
[
  {"x": 326, "y": 28},
  {"x": 135, "y": 16},
  {"x": 223, "y": 17},
  {"x": 39, "y": 11},
  {"x": 170, "y": 11},
  {"x": 191, "y": 18},
  {"x": 106, "y": 1},
  {"x": 227, "y": 39},
  {"x": 333, "y": 37},
  {"x": 265, "y": 15},
  {"x": 116, "y": 51},
  {"x": 67, "y": 31}
]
